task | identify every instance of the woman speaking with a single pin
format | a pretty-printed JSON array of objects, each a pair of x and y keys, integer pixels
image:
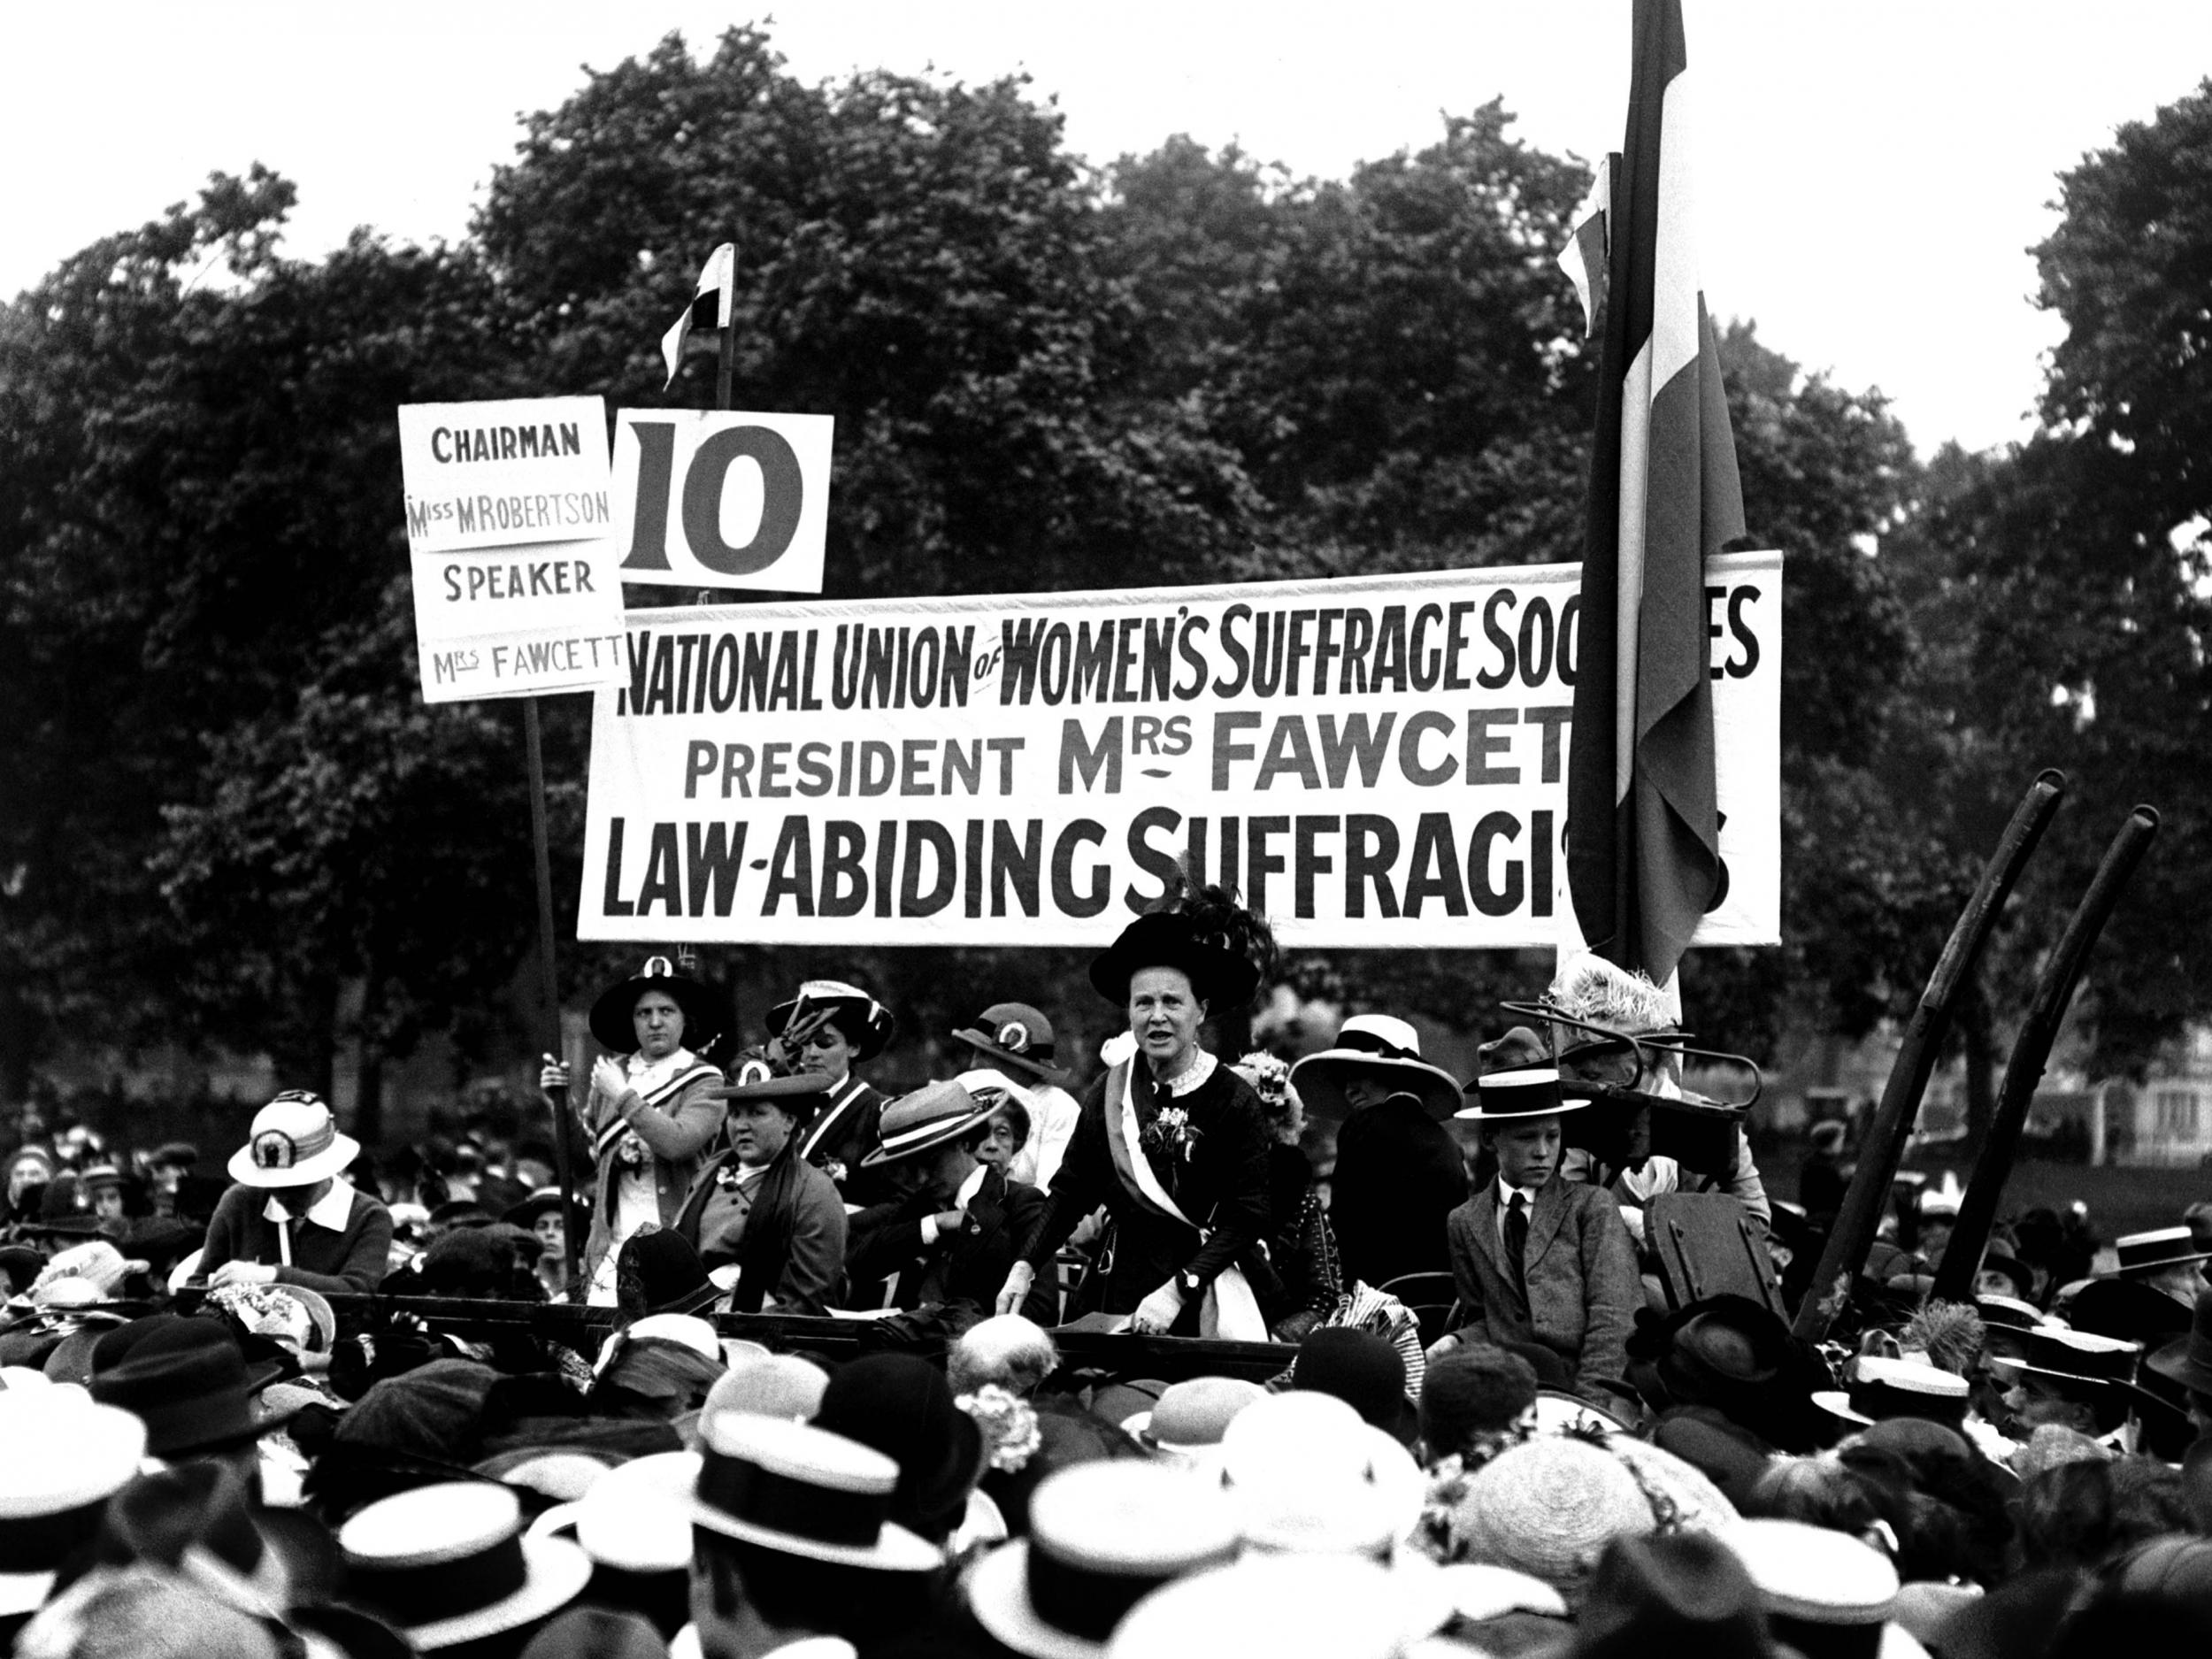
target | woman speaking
[{"x": 1171, "y": 1142}]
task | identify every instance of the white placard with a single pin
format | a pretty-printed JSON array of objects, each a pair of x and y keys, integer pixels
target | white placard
[{"x": 722, "y": 498}]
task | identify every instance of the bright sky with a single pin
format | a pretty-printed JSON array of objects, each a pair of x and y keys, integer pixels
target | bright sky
[{"x": 1870, "y": 175}]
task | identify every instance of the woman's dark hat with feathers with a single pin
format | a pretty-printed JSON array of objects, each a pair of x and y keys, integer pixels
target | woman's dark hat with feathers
[
  {"x": 611, "y": 1014},
  {"x": 1222, "y": 948}
]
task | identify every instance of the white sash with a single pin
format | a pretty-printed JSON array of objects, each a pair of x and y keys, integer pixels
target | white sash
[{"x": 1231, "y": 1312}]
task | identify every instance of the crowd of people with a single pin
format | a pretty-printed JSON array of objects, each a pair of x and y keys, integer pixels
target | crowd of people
[{"x": 1460, "y": 1395}]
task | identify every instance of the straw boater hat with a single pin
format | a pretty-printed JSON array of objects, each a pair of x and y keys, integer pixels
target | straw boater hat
[
  {"x": 803, "y": 1490},
  {"x": 1379, "y": 1046},
  {"x": 1186, "y": 1423},
  {"x": 450, "y": 1563},
  {"x": 931, "y": 1117},
  {"x": 61, "y": 1458},
  {"x": 611, "y": 1014},
  {"x": 1017, "y": 1035},
  {"x": 1219, "y": 977},
  {"x": 2161, "y": 1247},
  {"x": 1883, "y": 1388},
  {"x": 866, "y": 1023},
  {"x": 1102, "y": 1536},
  {"x": 294, "y": 1142},
  {"x": 1517, "y": 1078},
  {"x": 1306, "y": 1475},
  {"x": 1825, "y": 1592},
  {"x": 2081, "y": 1365}
]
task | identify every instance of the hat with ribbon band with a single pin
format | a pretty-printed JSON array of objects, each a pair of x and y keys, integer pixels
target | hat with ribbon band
[
  {"x": 1378, "y": 1045},
  {"x": 1102, "y": 1536},
  {"x": 2159, "y": 1248},
  {"x": 803, "y": 1490},
  {"x": 62, "y": 1458},
  {"x": 294, "y": 1142},
  {"x": 927, "y": 1118},
  {"x": 1885, "y": 1388},
  {"x": 1015, "y": 1035},
  {"x": 612, "y": 1016},
  {"x": 1518, "y": 1078},
  {"x": 866, "y": 1023},
  {"x": 450, "y": 1563}
]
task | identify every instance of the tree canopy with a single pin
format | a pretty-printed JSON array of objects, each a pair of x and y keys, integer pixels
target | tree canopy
[{"x": 233, "y": 820}]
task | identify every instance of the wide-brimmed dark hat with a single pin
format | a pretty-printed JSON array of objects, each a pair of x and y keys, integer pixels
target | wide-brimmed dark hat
[
  {"x": 2127, "y": 1308},
  {"x": 757, "y": 1077},
  {"x": 925, "y": 1119},
  {"x": 611, "y": 1014},
  {"x": 1017, "y": 1035},
  {"x": 663, "y": 1271},
  {"x": 1517, "y": 1078},
  {"x": 188, "y": 1381},
  {"x": 1381, "y": 1046},
  {"x": 866, "y": 1023},
  {"x": 2188, "y": 1360},
  {"x": 1219, "y": 977},
  {"x": 902, "y": 1407}
]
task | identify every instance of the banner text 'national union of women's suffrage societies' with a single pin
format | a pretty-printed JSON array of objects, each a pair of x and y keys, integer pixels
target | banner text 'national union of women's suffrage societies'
[{"x": 1371, "y": 761}]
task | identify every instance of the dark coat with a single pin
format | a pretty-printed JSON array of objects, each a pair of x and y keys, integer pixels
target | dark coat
[
  {"x": 353, "y": 1260},
  {"x": 845, "y": 1129},
  {"x": 1582, "y": 1286},
  {"x": 1223, "y": 1185},
  {"x": 967, "y": 1266},
  {"x": 716, "y": 1220},
  {"x": 1398, "y": 1177}
]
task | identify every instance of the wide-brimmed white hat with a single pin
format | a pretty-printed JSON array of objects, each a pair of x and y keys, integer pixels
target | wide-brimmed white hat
[
  {"x": 61, "y": 1458},
  {"x": 294, "y": 1142},
  {"x": 450, "y": 1563},
  {"x": 1306, "y": 1474},
  {"x": 636, "y": 1518},
  {"x": 1287, "y": 1607},
  {"x": 1379, "y": 1046},
  {"x": 1814, "y": 1575},
  {"x": 1102, "y": 1537},
  {"x": 792, "y": 1488}
]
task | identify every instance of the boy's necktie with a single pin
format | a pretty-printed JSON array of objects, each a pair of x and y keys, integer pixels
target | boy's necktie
[{"x": 1516, "y": 1239}]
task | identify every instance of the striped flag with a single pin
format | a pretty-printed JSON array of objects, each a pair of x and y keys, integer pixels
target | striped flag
[
  {"x": 1643, "y": 854},
  {"x": 709, "y": 306}
]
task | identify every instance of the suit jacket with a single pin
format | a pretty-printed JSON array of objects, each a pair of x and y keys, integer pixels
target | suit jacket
[
  {"x": 1221, "y": 1185},
  {"x": 1398, "y": 1177},
  {"x": 1583, "y": 1287},
  {"x": 968, "y": 1265}
]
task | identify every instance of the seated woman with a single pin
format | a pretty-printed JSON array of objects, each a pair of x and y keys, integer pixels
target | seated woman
[
  {"x": 952, "y": 1234},
  {"x": 652, "y": 1114},
  {"x": 760, "y": 1208},
  {"x": 1304, "y": 1279}
]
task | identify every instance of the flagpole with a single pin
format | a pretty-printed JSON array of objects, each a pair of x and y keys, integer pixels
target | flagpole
[
  {"x": 724, "y": 356},
  {"x": 533, "y": 744}
]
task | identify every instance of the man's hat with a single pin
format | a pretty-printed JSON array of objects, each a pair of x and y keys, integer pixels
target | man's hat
[
  {"x": 61, "y": 1458},
  {"x": 1815, "y": 1581},
  {"x": 176, "y": 1155},
  {"x": 1219, "y": 977},
  {"x": 902, "y": 1406},
  {"x": 2074, "y": 1363},
  {"x": 2129, "y": 1309},
  {"x": 1189, "y": 1417},
  {"x": 1102, "y": 1536},
  {"x": 294, "y": 1142},
  {"x": 1308, "y": 1476},
  {"x": 2188, "y": 1360},
  {"x": 187, "y": 1380},
  {"x": 805, "y": 1492},
  {"x": 1379, "y": 1046},
  {"x": 1517, "y": 1078},
  {"x": 611, "y": 1014},
  {"x": 1015, "y": 1035},
  {"x": 1287, "y": 1607},
  {"x": 923, "y": 1121},
  {"x": 2160, "y": 1248},
  {"x": 102, "y": 1175},
  {"x": 2016, "y": 1273},
  {"x": 450, "y": 1563},
  {"x": 1883, "y": 1388},
  {"x": 866, "y": 1023},
  {"x": 67, "y": 1208}
]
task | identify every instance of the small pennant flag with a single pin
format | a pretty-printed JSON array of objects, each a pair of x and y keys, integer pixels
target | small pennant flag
[
  {"x": 1583, "y": 259},
  {"x": 709, "y": 306},
  {"x": 1643, "y": 848}
]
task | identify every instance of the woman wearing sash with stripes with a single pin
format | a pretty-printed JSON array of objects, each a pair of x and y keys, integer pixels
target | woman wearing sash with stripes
[
  {"x": 651, "y": 1114},
  {"x": 1172, "y": 1142}
]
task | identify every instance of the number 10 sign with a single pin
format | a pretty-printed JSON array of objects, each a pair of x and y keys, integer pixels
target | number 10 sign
[{"x": 722, "y": 498}]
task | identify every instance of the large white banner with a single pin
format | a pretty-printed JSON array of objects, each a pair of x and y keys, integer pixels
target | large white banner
[
  {"x": 509, "y": 510},
  {"x": 1371, "y": 761}
]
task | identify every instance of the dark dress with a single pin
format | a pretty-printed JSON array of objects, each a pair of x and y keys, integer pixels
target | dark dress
[
  {"x": 845, "y": 1129},
  {"x": 1398, "y": 1177},
  {"x": 1221, "y": 1184}
]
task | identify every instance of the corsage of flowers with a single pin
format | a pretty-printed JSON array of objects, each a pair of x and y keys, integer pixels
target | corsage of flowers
[{"x": 1009, "y": 1423}]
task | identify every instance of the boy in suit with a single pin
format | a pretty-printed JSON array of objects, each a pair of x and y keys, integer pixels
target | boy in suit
[{"x": 1543, "y": 1266}]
